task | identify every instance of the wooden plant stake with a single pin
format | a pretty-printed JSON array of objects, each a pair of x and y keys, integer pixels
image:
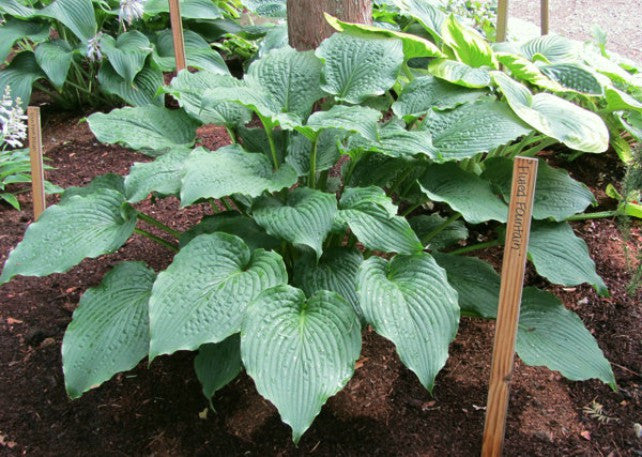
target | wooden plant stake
[
  {"x": 544, "y": 17},
  {"x": 510, "y": 297},
  {"x": 37, "y": 169},
  {"x": 177, "y": 32},
  {"x": 502, "y": 20}
]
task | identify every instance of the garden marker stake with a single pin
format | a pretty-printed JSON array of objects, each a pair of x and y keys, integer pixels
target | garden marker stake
[
  {"x": 510, "y": 297},
  {"x": 35, "y": 152},
  {"x": 544, "y": 17},
  {"x": 502, "y": 20},
  {"x": 177, "y": 32}
]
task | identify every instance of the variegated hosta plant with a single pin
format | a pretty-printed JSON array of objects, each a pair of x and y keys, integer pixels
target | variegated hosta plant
[{"x": 349, "y": 196}]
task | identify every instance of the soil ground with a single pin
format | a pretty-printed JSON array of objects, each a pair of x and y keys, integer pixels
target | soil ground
[{"x": 383, "y": 411}]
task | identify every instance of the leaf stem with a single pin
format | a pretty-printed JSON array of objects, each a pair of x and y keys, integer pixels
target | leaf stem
[
  {"x": 588, "y": 216},
  {"x": 312, "y": 176},
  {"x": 270, "y": 137},
  {"x": 158, "y": 224},
  {"x": 156, "y": 239},
  {"x": 476, "y": 247},
  {"x": 535, "y": 149},
  {"x": 430, "y": 235}
]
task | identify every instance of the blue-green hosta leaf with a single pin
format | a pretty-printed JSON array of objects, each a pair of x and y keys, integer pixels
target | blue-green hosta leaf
[
  {"x": 230, "y": 170},
  {"x": 426, "y": 13},
  {"x": 217, "y": 364},
  {"x": 426, "y": 224},
  {"x": 576, "y": 127},
  {"x": 557, "y": 195},
  {"x": 299, "y": 351},
  {"x": 190, "y": 9},
  {"x": 127, "y": 53},
  {"x": 276, "y": 38},
  {"x": 356, "y": 68},
  {"x": 54, "y": 57},
  {"x": 554, "y": 49},
  {"x": 143, "y": 92},
  {"x": 77, "y": 15},
  {"x": 574, "y": 76},
  {"x": 459, "y": 73},
  {"x": 150, "y": 129},
  {"x": 202, "y": 296},
  {"x": 17, "y": 9},
  {"x": 427, "y": 92},
  {"x": 409, "y": 301},
  {"x": 163, "y": 175},
  {"x": 188, "y": 88},
  {"x": 233, "y": 223},
  {"x": 523, "y": 69},
  {"x": 413, "y": 45},
  {"x": 14, "y": 29},
  {"x": 561, "y": 257},
  {"x": 198, "y": 53},
  {"x": 109, "y": 331},
  {"x": 335, "y": 271},
  {"x": 20, "y": 75},
  {"x": 306, "y": 218},
  {"x": 268, "y": 8},
  {"x": 551, "y": 335},
  {"x": 289, "y": 77},
  {"x": 356, "y": 119},
  {"x": 373, "y": 219},
  {"x": 474, "y": 128},
  {"x": 396, "y": 141},
  {"x": 300, "y": 150},
  {"x": 464, "y": 192},
  {"x": 467, "y": 44},
  {"x": 81, "y": 226}
]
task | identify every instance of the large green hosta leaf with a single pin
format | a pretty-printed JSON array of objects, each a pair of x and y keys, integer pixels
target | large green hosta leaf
[
  {"x": 55, "y": 57},
  {"x": 464, "y": 192},
  {"x": 300, "y": 351},
  {"x": 109, "y": 332},
  {"x": 426, "y": 12},
  {"x": 202, "y": 296},
  {"x": 561, "y": 257},
  {"x": 356, "y": 68},
  {"x": 409, "y": 301},
  {"x": 85, "y": 224},
  {"x": 15, "y": 8},
  {"x": 163, "y": 175},
  {"x": 372, "y": 218},
  {"x": 14, "y": 29},
  {"x": 230, "y": 170},
  {"x": 356, "y": 119},
  {"x": 150, "y": 129},
  {"x": 143, "y": 92},
  {"x": 327, "y": 151},
  {"x": 574, "y": 76},
  {"x": 198, "y": 53},
  {"x": 459, "y": 73},
  {"x": 188, "y": 88},
  {"x": 396, "y": 141},
  {"x": 190, "y": 9},
  {"x": 77, "y": 15},
  {"x": 335, "y": 271},
  {"x": 269, "y": 8},
  {"x": 217, "y": 364},
  {"x": 553, "y": 48},
  {"x": 20, "y": 75},
  {"x": 305, "y": 219},
  {"x": 427, "y": 92},
  {"x": 576, "y": 127},
  {"x": 523, "y": 69},
  {"x": 473, "y": 128},
  {"x": 428, "y": 224},
  {"x": 557, "y": 195},
  {"x": 127, "y": 53},
  {"x": 468, "y": 45}
]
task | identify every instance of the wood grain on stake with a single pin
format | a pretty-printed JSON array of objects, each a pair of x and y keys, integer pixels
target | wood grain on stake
[
  {"x": 510, "y": 297},
  {"x": 35, "y": 153},
  {"x": 177, "y": 32}
]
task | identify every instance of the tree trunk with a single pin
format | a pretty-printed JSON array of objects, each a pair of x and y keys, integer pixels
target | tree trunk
[{"x": 307, "y": 27}]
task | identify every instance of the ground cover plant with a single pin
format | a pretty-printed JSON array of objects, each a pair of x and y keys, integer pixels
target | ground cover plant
[{"x": 335, "y": 152}]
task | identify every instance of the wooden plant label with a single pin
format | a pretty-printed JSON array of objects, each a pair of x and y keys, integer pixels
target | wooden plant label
[
  {"x": 37, "y": 169},
  {"x": 502, "y": 21},
  {"x": 177, "y": 32},
  {"x": 544, "y": 17},
  {"x": 510, "y": 297}
]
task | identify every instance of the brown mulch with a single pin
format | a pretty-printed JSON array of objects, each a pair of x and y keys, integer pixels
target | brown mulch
[{"x": 383, "y": 411}]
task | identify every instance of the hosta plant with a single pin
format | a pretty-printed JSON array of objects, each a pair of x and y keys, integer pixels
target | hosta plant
[{"x": 352, "y": 182}]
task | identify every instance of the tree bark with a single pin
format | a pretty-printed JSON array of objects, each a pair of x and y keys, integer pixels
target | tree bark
[{"x": 307, "y": 27}]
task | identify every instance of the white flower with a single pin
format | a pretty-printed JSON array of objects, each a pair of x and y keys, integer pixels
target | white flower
[
  {"x": 130, "y": 10},
  {"x": 13, "y": 127},
  {"x": 93, "y": 48}
]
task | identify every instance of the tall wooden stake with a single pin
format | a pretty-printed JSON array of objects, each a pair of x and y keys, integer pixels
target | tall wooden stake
[
  {"x": 510, "y": 298},
  {"x": 37, "y": 169},
  {"x": 545, "y": 17},
  {"x": 177, "y": 32},
  {"x": 502, "y": 20}
]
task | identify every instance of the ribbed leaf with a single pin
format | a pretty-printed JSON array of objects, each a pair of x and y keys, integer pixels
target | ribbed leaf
[
  {"x": 356, "y": 68},
  {"x": 54, "y": 57},
  {"x": 230, "y": 170},
  {"x": 306, "y": 218},
  {"x": 79, "y": 227},
  {"x": 143, "y": 92},
  {"x": 409, "y": 301},
  {"x": 557, "y": 195},
  {"x": 269, "y": 8},
  {"x": 15, "y": 8},
  {"x": 617, "y": 100},
  {"x": 14, "y": 29},
  {"x": 202, "y": 296},
  {"x": 554, "y": 48},
  {"x": 300, "y": 352},
  {"x": 77, "y": 15},
  {"x": 127, "y": 53},
  {"x": 163, "y": 175},
  {"x": 427, "y": 92},
  {"x": 561, "y": 257},
  {"x": 300, "y": 151},
  {"x": 473, "y": 128},
  {"x": 198, "y": 53},
  {"x": 467, "y": 44},
  {"x": 459, "y": 73},
  {"x": 357, "y": 119},
  {"x": 190, "y": 9},
  {"x": 217, "y": 364},
  {"x": 372, "y": 217},
  {"x": 574, "y": 76},
  {"x": 426, "y": 224},
  {"x": 576, "y": 127},
  {"x": 427, "y": 13},
  {"x": 464, "y": 192},
  {"x": 20, "y": 75},
  {"x": 151, "y": 129},
  {"x": 109, "y": 332},
  {"x": 396, "y": 141},
  {"x": 523, "y": 69},
  {"x": 335, "y": 271}
]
